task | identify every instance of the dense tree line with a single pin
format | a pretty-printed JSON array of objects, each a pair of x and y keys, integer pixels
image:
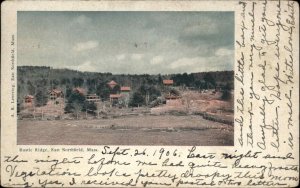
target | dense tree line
[{"x": 38, "y": 81}]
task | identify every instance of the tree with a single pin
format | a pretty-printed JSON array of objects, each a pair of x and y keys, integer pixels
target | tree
[
  {"x": 209, "y": 79},
  {"x": 76, "y": 97},
  {"x": 54, "y": 83},
  {"x": 150, "y": 93},
  {"x": 185, "y": 79},
  {"x": 18, "y": 107},
  {"x": 226, "y": 95},
  {"x": 103, "y": 90},
  {"x": 124, "y": 101},
  {"x": 137, "y": 100},
  {"x": 65, "y": 81},
  {"x": 90, "y": 107},
  {"x": 154, "y": 93},
  {"x": 41, "y": 82},
  {"x": 68, "y": 92},
  {"x": 41, "y": 97},
  {"x": 198, "y": 84},
  {"x": 116, "y": 89},
  {"x": 77, "y": 107},
  {"x": 91, "y": 90},
  {"x": 91, "y": 85},
  {"x": 159, "y": 80},
  {"x": 30, "y": 88},
  {"x": 77, "y": 82},
  {"x": 75, "y": 103}
]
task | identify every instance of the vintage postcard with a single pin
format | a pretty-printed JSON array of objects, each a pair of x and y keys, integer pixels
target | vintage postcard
[{"x": 149, "y": 93}]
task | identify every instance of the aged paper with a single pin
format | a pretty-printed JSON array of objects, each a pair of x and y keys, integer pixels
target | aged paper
[{"x": 148, "y": 122}]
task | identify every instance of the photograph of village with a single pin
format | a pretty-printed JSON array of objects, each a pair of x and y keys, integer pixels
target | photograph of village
[{"x": 125, "y": 78}]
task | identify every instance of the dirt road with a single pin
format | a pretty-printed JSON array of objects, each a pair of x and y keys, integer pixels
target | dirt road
[{"x": 136, "y": 130}]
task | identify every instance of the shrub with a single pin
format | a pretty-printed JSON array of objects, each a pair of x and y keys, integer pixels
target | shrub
[{"x": 226, "y": 95}]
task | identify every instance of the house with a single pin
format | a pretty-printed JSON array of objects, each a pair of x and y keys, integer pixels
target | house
[
  {"x": 79, "y": 90},
  {"x": 168, "y": 82},
  {"x": 112, "y": 84},
  {"x": 29, "y": 99},
  {"x": 55, "y": 93},
  {"x": 125, "y": 95},
  {"x": 114, "y": 97},
  {"x": 92, "y": 98}
]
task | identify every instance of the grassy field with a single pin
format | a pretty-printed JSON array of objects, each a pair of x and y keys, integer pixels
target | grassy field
[{"x": 127, "y": 130}]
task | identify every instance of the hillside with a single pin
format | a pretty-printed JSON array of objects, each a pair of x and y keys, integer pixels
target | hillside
[{"x": 40, "y": 79}]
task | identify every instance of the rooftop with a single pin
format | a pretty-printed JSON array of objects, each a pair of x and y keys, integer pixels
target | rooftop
[
  {"x": 112, "y": 83},
  {"x": 55, "y": 91},
  {"x": 125, "y": 88},
  {"x": 79, "y": 90},
  {"x": 114, "y": 96},
  {"x": 168, "y": 82},
  {"x": 29, "y": 96}
]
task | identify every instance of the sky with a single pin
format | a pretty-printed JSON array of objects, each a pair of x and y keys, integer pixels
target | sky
[{"x": 127, "y": 42}]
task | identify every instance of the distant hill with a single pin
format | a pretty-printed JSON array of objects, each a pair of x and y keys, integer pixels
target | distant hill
[{"x": 34, "y": 79}]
